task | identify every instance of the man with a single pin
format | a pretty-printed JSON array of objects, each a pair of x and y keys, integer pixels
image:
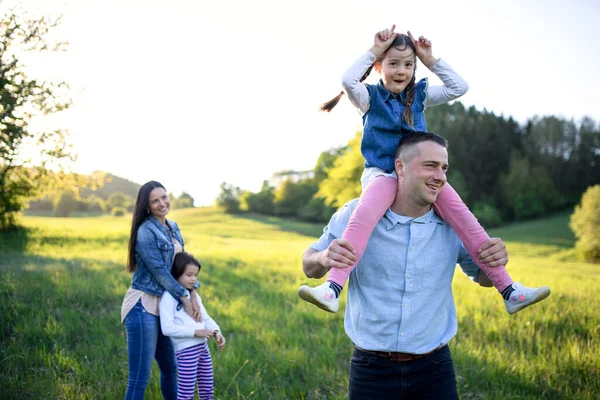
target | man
[{"x": 400, "y": 311}]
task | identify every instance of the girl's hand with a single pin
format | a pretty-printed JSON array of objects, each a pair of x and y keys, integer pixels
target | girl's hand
[
  {"x": 220, "y": 340},
  {"x": 204, "y": 333},
  {"x": 424, "y": 50},
  {"x": 383, "y": 40}
]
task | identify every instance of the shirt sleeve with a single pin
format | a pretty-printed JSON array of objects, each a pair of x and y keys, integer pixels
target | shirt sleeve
[
  {"x": 147, "y": 248},
  {"x": 167, "y": 308},
  {"x": 357, "y": 92},
  {"x": 336, "y": 226},
  {"x": 209, "y": 323},
  {"x": 469, "y": 267},
  {"x": 453, "y": 85}
]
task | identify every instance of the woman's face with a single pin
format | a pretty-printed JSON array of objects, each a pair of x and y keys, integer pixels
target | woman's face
[{"x": 159, "y": 203}]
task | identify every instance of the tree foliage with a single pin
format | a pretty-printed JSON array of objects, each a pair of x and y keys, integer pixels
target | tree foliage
[
  {"x": 21, "y": 99},
  {"x": 343, "y": 178},
  {"x": 585, "y": 223},
  {"x": 229, "y": 198}
]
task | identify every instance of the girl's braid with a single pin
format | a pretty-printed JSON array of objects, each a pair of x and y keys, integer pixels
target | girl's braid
[
  {"x": 328, "y": 106},
  {"x": 407, "y": 115}
]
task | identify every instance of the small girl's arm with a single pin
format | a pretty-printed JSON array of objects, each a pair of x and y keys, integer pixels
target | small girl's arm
[
  {"x": 454, "y": 85},
  {"x": 352, "y": 79}
]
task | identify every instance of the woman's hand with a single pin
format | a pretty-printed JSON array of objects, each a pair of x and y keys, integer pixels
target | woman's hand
[
  {"x": 424, "y": 50},
  {"x": 220, "y": 340},
  {"x": 189, "y": 308},
  {"x": 204, "y": 333},
  {"x": 383, "y": 39},
  {"x": 195, "y": 305}
]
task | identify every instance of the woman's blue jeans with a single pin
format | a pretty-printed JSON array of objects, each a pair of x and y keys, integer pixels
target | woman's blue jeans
[
  {"x": 146, "y": 342},
  {"x": 431, "y": 377}
]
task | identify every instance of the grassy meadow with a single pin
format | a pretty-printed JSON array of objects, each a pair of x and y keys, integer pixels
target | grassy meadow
[{"x": 62, "y": 282}]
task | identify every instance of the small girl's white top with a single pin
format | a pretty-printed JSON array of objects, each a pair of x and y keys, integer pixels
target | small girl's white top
[{"x": 179, "y": 326}]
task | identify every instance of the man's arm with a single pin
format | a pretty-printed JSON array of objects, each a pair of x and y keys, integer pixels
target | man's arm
[
  {"x": 339, "y": 254},
  {"x": 310, "y": 264}
]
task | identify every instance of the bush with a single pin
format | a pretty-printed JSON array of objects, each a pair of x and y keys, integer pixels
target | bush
[
  {"x": 96, "y": 204},
  {"x": 585, "y": 223},
  {"x": 66, "y": 203},
  {"x": 488, "y": 215},
  {"x": 118, "y": 211}
]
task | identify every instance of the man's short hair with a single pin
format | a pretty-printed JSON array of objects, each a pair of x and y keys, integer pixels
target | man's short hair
[{"x": 412, "y": 138}]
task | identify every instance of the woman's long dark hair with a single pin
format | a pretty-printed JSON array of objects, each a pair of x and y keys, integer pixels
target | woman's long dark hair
[
  {"x": 140, "y": 214},
  {"x": 401, "y": 42}
]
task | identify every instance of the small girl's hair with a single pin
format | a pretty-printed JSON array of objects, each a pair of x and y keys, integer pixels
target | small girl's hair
[
  {"x": 401, "y": 42},
  {"x": 182, "y": 259}
]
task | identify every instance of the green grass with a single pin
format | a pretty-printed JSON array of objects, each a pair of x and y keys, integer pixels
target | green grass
[{"x": 62, "y": 282}]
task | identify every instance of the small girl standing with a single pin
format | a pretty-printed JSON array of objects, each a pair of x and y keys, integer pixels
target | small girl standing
[
  {"x": 194, "y": 363},
  {"x": 396, "y": 104}
]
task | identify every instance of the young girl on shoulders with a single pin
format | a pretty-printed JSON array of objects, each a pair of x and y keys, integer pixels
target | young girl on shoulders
[
  {"x": 194, "y": 363},
  {"x": 396, "y": 104}
]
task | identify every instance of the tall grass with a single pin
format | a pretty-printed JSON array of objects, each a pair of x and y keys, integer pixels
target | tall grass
[{"x": 63, "y": 281}]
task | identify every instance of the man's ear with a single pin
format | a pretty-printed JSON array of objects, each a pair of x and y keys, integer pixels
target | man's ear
[{"x": 399, "y": 166}]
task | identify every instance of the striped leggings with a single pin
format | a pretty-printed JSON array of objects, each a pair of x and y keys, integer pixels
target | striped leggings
[{"x": 194, "y": 364}]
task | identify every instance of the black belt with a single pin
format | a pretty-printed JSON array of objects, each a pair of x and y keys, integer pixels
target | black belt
[{"x": 396, "y": 356}]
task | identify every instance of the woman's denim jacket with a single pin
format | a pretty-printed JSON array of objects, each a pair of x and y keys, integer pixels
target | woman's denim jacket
[{"x": 154, "y": 251}]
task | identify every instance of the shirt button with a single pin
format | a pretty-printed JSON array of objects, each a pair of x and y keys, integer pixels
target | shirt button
[
  {"x": 401, "y": 333},
  {"x": 408, "y": 276},
  {"x": 405, "y": 305},
  {"x": 412, "y": 247}
]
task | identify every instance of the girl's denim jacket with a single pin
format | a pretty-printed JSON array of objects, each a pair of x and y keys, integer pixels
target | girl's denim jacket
[{"x": 154, "y": 252}]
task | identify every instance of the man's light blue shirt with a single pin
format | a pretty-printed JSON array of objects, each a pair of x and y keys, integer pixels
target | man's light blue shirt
[{"x": 400, "y": 293}]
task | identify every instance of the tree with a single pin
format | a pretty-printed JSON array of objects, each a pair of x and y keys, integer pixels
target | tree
[
  {"x": 343, "y": 179},
  {"x": 229, "y": 198},
  {"x": 585, "y": 223},
  {"x": 66, "y": 203},
  {"x": 261, "y": 202},
  {"x": 21, "y": 99},
  {"x": 185, "y": 200},
  {"x": 119, "y": 199}
]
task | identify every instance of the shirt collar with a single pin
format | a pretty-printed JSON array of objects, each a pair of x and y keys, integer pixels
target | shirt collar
[
  {"x": 386, "y": 94},
  {"x": 392, "y": 219}
]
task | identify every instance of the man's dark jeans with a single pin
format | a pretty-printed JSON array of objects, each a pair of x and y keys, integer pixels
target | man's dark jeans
[{"x": 379, "y": 378}]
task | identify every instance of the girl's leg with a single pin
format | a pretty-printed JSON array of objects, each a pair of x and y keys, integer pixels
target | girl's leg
[
  {"x": 516, "y": 296},
  {"x": 377, "y": 197},
  {"x": 167, "y": 364},
  {"x": 187, "y": 366},
  {"x": 204, "y": 376},
  {"x": 452, "y": 209},
  {"x": 142, "y": 337}
]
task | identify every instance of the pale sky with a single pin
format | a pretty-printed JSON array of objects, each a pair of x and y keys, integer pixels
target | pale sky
[{"x": 193, "y": 93}]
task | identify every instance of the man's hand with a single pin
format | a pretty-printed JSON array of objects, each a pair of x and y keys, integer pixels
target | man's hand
[
  {"x": 493, "y": 253},
  {"x": 339, "y": 254}
]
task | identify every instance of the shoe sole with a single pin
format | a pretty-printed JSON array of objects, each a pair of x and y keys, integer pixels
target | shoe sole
[
  {"x": 306, "y": 294},
  {"x": 542, "y": 294}
]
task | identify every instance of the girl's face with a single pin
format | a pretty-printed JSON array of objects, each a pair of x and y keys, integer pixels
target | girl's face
[
  {"x": 397, "y": 69},
  {"x": 159, "y": 203},
  {"x": 188, "y": 278}
]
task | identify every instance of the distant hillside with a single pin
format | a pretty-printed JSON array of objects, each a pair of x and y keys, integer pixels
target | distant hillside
[{"x": 112, "y": 184}]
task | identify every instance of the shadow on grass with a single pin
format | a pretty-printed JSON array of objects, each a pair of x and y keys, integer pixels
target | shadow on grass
[
  {"x": 553, "y": 231},
  {"x": 287, "y": 225},
  {"x": 15, "y": 239}
]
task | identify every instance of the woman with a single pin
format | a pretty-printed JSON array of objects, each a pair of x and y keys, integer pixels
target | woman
[{"x": 153, "y": 243}]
